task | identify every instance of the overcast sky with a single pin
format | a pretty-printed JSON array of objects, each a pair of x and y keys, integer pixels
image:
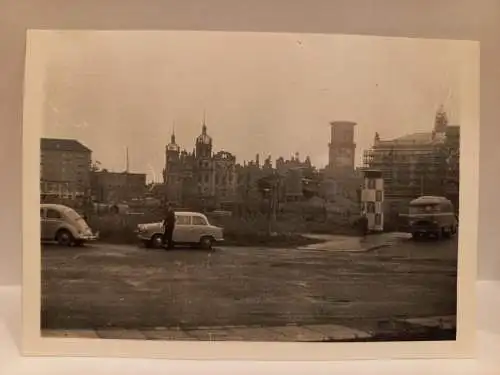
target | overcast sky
[{"x": 272, "y": 94}]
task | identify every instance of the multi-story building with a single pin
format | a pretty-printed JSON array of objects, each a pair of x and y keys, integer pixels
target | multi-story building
[
  {"x": 414, "y": 164},
  {"x": 114, "y": 187},
  {"x": 452, "y": 177},
  {"x": 297, "y": 176},
  {"x": 201, "y": 177},
  {"x": 418, "y": 164},
  {"x": 64, "y": 168}
]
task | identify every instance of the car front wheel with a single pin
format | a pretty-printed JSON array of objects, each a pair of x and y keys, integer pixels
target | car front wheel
[
  {"x": 65, "y": 238},
  {"x": 156, "y": 241}
]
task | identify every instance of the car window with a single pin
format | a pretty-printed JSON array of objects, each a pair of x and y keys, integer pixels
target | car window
[
  {"x": 198, "y": 220},
  {"x": 182, "y": 220},
  {"x": 53, "y": 214},
  {"x": 72, "y": 214}
]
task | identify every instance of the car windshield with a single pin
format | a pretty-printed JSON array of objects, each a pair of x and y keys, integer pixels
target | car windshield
[{"x": 424, "y": 208}]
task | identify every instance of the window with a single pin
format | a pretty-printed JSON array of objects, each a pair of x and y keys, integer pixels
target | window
[
  {"x": 378, "y": 195},
  {"x": 182, "y": 220},
  {"x": 41, "y": 212},
  {"x": 371, "y": 184},
  {"x": 378, "y": 219},
  {"x": 370, "y": 207},
  {"x": 198, "y": 220},
  {"x": 53, "y": 214},
  {"x": 424, "y": 208}
]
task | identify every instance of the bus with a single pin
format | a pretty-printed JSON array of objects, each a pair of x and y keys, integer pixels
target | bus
[{"x": 432, "y": 216}]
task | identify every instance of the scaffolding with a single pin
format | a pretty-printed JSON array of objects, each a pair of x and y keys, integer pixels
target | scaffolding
[{"x": 409, "y": 171}]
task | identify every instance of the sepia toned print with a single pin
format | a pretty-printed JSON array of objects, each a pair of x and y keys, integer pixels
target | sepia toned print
[{"x": 304, "y": 189}]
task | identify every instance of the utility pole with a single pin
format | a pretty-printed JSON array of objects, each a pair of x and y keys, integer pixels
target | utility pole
[{"x": 127, "y": 166}]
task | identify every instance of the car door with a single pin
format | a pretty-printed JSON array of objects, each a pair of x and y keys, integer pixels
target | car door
[
  {"x": 52, "y": 222},
  {"x": 199, "y": 228},
  {"x": 182, "y": 231}
]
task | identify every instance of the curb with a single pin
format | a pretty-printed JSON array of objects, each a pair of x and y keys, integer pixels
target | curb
[{"x": 398, "y": 329}]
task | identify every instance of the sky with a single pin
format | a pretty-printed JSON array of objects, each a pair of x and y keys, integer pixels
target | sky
[{"x": 267, "y": 93}]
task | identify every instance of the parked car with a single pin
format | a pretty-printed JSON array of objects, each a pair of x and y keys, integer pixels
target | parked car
[
  {"x": 64, "y": 225},
  {"x": 191, "y": 228},
  {"x": 432, "y": 215}
]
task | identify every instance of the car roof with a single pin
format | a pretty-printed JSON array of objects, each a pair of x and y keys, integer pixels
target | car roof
[
  {"x": 54, "y": 206},
  {"x": 430, "y": 199},
  {"x": 189, "y": 213}
]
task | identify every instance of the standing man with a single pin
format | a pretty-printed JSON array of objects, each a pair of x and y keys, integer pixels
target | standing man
[
  {"x": 363, "y": 221},
  {"x": 169, "y": 226}
]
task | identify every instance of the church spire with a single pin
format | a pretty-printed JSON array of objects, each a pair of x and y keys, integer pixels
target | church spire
[
  {"x": 441, "y": 120},
  {"x": 204, "y": 125},
  {"x": 173, "y": 146},
  {"x": 172, "y": 137}
]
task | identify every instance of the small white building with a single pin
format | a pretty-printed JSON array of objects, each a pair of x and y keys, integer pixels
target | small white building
[{"x": 372, "y": 199}]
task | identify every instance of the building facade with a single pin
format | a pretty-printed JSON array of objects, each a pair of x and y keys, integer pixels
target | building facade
[
  {"x": 64, "y": 168},
  {"x": 201, "y": 177},
  {"x": 115, "y": 187},
  {"x": 414, "y": 164}
]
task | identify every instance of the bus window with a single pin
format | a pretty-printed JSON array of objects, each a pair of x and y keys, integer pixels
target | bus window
[{"x": 424, "y": 208}]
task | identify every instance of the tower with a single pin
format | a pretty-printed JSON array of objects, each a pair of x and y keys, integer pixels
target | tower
[
  {"x": 172, "y": 150},
  {"x": 441, "y": 120},
  {"x": 372, "y": 199},
  {"x": 203, "y": 144},
  {"x": 171, "y": 173},
  {"x": 341, "y": 148},
  {"x": 204, "y": 162}
]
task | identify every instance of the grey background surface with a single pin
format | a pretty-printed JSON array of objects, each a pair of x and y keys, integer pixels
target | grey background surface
[{"x": 451, "y": 19}]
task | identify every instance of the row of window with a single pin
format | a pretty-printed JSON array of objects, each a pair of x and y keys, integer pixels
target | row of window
[
  {"x": 370, "y": 184},
  {"x": 50, "y": 214},
  {"x": 190, "y": 220},
  {"x": 370, "y": 207},
  {"x": 206, "y": 178}
]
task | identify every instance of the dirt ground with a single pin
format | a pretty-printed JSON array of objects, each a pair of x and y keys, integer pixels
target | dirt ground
[{"x": 130, "y": 287}]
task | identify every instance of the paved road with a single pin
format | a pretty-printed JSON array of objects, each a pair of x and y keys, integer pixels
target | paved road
[{"x": 130, "y": 287}]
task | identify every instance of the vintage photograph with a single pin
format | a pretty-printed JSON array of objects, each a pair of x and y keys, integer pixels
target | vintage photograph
[{"x": 264, "y": 187}]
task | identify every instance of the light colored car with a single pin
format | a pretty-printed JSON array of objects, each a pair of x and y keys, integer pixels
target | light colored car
[
  {"x": 191, "y": 228},
  {"x": 64, "y": 225}
]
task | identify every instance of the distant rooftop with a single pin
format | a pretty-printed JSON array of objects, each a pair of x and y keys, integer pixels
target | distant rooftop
[
  {"x": 416, "y": 138},
  {"x": 57, "y": 144}
]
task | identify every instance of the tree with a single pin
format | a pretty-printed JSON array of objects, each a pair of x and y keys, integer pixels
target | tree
[{"x": 95, "y": 166}]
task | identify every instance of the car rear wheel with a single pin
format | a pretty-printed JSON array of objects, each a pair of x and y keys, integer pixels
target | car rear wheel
[
  {"x": 65, "y": 238},
  {"x": 206, "y": 242},
  {"x": 156, "y": 241}
]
